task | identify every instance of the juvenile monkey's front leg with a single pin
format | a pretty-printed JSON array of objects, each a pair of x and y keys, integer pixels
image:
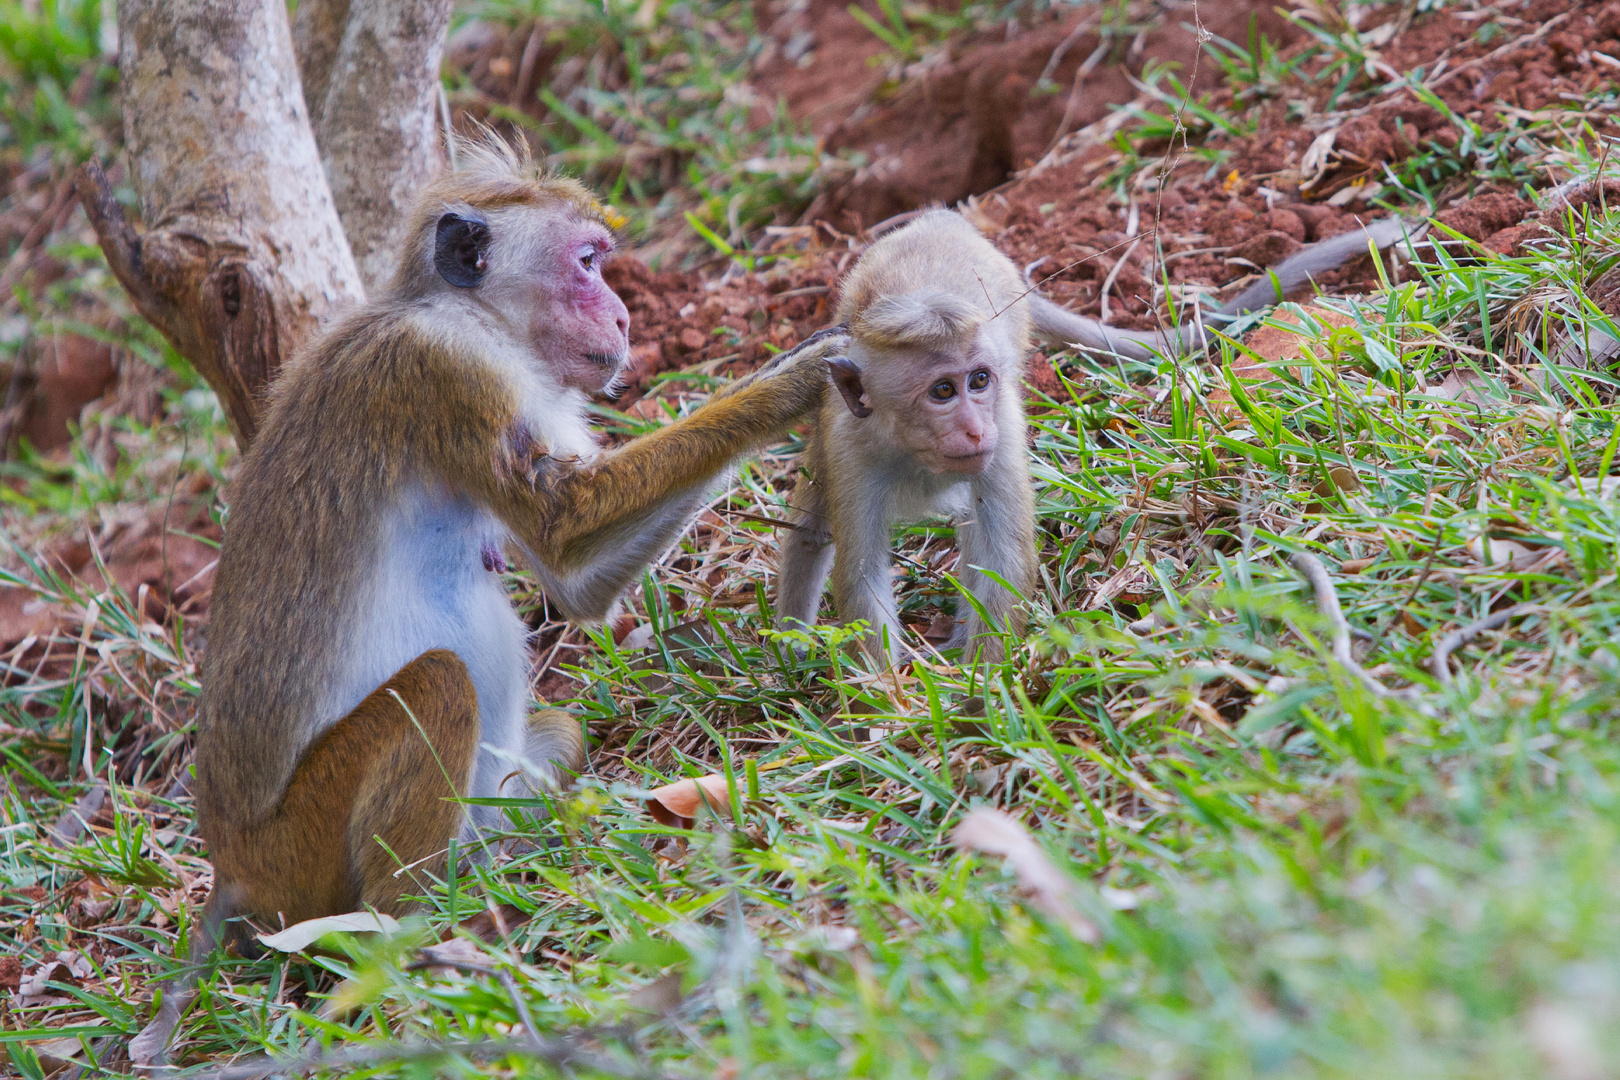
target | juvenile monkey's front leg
[
  {"x": 807, "y": 555},
  {"x": 862, "y": 590},
  {"x": 999, "y": 537}
]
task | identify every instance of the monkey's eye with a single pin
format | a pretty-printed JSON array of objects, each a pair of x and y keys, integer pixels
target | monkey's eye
[
  {"x": 942, "y": 390},
  {"x": 587, "y": 257},
  {"x": 979, "y": 380}
]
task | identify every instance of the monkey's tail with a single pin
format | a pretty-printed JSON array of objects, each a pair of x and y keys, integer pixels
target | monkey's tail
[{"x": 1062, "y": 327}]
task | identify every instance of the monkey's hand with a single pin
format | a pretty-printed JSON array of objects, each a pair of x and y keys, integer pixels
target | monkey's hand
[{"x": 812, "y": 352}]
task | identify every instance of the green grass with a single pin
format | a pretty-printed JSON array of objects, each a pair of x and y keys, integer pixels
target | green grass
[
  {"x": 1288, "y": 873},
  {"x": 657, "y": 123},
  {"x": 1291, "y": 875}
]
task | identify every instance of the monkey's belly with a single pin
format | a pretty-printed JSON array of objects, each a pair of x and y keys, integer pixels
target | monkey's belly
[{"x": 432, "y": 591}]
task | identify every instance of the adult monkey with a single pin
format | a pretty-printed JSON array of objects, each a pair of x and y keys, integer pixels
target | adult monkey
[{"x": 364, "y": 666}]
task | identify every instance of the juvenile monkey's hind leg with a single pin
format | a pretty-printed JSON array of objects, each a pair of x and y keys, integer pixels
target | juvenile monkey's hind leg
[
  {"x": 807, "y": 556},
  {"x": 377, "y": 790}
]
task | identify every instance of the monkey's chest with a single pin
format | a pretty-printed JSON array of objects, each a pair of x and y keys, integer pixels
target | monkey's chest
[
  {"x": 927, "y": 495},
  {"x": 432, "y": 590}
]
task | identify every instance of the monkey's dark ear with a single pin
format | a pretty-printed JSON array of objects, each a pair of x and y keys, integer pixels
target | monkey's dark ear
[
  {"x": 847, "y": 377},
  {"x": 459, "y": 249}
]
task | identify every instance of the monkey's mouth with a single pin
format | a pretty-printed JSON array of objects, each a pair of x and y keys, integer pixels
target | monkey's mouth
[
  {"x": 965, "y": 463},
  {"x": 608, "y": 361}
]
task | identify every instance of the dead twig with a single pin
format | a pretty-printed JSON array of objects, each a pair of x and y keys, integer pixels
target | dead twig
[
  {"x": 1327, "y": 604},
  {"x": 1438, "y": 663},
  {"x": 1496, "y": 54}
]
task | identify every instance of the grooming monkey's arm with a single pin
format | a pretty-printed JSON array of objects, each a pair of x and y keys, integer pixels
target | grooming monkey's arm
[{"x": 569, "y": 518}]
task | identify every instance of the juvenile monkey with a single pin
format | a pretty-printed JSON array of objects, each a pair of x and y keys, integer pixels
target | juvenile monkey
[
  {"x": 364, "y": 666},
  {"x": 929, "y": 419}
]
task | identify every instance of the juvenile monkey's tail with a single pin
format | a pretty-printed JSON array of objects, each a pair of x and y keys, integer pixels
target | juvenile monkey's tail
[{"x": 1062, "y": 327}]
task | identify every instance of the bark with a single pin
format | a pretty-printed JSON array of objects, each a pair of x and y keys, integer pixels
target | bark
[
  {"x": 317, "y": 34},
  {"x": 243, "y": 253},
  {"x": 379, "y": 129}
]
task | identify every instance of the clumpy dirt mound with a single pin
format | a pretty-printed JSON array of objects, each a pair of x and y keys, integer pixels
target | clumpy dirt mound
[
  {"x": 729, "y": 326},
  {"x": 1278, "y": 187},
  {"x": 1288, "y": 183},
  {"x": 964, "y": 119}
]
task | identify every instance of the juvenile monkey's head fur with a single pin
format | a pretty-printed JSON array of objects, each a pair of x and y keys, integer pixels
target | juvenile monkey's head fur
[
  {"x": 523, "y": 250},
  {"x": 925, "y": 319},
  {"x": 938, "y": 338}
]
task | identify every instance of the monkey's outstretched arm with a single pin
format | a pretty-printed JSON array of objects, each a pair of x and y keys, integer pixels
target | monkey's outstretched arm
[
  {"x": 1066, "y": 328},
  {"x": 594, "y": 527}
]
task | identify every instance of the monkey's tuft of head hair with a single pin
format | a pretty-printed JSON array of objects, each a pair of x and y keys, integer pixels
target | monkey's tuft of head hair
[
  {"x": 927, "y": 318},
  {"x": 507, "y": 171},
  {"x": 492, "y": 173}
]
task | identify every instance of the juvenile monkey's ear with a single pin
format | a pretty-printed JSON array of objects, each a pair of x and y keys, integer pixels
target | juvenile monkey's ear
[
  {"x": 459, "y": 248},
  {"x": 847, "y": 377}
]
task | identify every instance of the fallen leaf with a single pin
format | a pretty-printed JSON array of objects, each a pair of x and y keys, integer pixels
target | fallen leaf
[
  {"x": 1051, "y": 891},
  {"x": 1355, "y": 566},
  {"x": 300, "y": 936},
  {"x": 493, "y": 924},
  {"x": 1488, "y": 551},
  {"x": 661, "y": 996},
  {"x": 33, "y": 983},
  {"x": 1464, "y": 387},
  {"x": 59, "y": 1050},
  {"x": 1595, "y": 487},
  {"x": 1339, "y": 478},
  {"x": 676, "y": 805},
  {"x": 448, "y": 954},
  {"x": 150, "y": 1045}
]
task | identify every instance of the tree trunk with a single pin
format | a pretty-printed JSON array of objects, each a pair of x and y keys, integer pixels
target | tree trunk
[
  {"x": 378, "y": 126},
  {"x": 243, "y": 253},
  {"x": 317, "y": 35}
]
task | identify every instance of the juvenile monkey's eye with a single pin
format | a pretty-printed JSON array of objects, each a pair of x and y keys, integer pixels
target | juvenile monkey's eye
[
  {"x": 942, "y": 390},
  {"x": 979, "y": 380},
  {"x": 587, "y": 257}
]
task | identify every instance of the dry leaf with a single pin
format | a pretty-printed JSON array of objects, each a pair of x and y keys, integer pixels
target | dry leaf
[
  {"x": 493, "y": 924},
  {"x": 1595, "y": 487},
  {"x": 300, "y": 936},
  {"x": 676, "y": 805},
  {"x": 69, "y": 968},
  {"x": 1464, "y": 387},
  {"x": 447, "y": 954},
  {"x": 662, "y": 995},
  {"x": 1050, "y": 890},
  {"x": 1491, "y": 552}
]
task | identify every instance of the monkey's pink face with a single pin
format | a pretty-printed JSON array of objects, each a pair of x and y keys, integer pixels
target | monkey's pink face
[
  {"x": 579, "y": 324},
  {"x": 951, "y": 426}
]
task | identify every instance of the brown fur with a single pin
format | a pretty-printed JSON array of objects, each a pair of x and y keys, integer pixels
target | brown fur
[{"x": 291, "y": 811}]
